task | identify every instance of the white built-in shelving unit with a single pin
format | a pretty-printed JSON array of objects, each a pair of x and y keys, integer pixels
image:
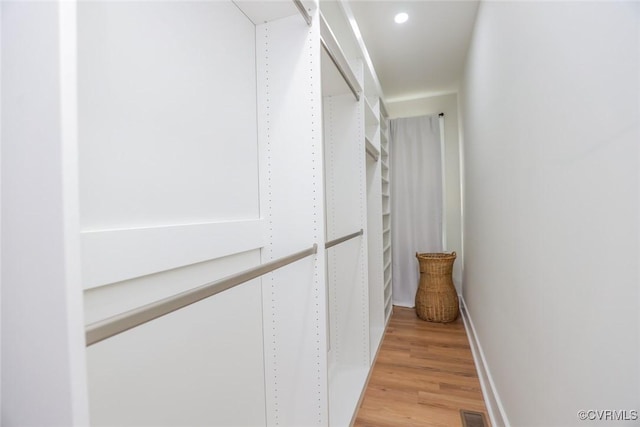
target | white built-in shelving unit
[
  {"x": 346, "y": 212},
  {"x": 195, "y": 141},
  {"x": 358, "y": 318},
  {"x": 374, "y": 191},
  {"x": 211, "y": 115},
  {"x": 386, "y": 211}
]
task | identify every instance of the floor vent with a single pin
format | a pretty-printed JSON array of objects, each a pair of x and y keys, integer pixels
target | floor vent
[{"x": 472, "y": 419}]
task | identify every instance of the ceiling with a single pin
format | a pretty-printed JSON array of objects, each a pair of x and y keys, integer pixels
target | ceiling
[{"x": 424, "y": 56}]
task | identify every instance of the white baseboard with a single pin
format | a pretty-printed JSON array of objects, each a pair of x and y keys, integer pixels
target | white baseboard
[{"x": 497, "y": 414}]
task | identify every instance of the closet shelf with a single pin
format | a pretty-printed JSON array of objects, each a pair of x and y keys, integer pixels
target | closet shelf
[
  {"x": 370, "y": 118},
  {"x": 371, "y": 149},
  {"x": 383, "y": 111}
]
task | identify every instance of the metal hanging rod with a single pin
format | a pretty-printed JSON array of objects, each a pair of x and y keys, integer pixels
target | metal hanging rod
[
  {"x": 332, "y": 47},
  {"x": 117, "y": 324},
  {"x": 339, "y": 240},
  {"x": 374, "y": 155},
  {"x": 342, "y": 72},
  {"x": 371, "y": 150},
  {"x": 303, "y": 11}
]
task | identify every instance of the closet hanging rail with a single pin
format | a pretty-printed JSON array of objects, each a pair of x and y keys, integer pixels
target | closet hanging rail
[
  {"x": 339, "y": 240},
  {"x": 303, "y": 11},
  {"x": 333, "y": 49},
  {"x": 371, "y": 150},
  {"x": 117, "y": 324},
  {"x": 340, "y": 69}
]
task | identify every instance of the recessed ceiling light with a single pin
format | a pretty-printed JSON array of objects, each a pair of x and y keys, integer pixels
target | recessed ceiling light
[{"x": 401, "y": 18}]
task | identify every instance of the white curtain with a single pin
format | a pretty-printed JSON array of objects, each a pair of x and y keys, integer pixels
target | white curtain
[{"x": 416, "y": 199}]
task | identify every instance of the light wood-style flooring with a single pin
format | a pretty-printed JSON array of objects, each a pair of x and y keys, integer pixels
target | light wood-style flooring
[{"x": 423, "y": 376}]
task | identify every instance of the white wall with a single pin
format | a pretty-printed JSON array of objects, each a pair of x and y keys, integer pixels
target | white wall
[
  {"x": 447, "y": 104},
  {"x": 550, "y": 113}
]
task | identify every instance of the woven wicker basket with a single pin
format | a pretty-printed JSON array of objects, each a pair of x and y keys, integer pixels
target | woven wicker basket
[{"x": 436, "y": 299}]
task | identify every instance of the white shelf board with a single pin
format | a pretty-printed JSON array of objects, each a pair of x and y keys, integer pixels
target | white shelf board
[
  {"x": 370, "y": 117},
  {"x": 260, "y": 12},
  {"x": 372, "y": 100},
  {"x": 371, "y": 149},
  {"x": 383, "y": 110}
]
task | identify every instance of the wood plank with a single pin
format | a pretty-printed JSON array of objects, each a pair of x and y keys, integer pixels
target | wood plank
[{"x": 423, "y": 376}]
